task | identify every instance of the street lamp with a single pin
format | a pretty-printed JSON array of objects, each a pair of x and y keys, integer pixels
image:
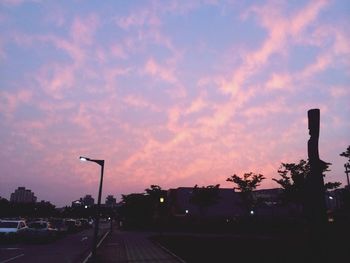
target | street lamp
[
  {"x": 97, "y": 216},
  {"x": 347, "y": 171}
]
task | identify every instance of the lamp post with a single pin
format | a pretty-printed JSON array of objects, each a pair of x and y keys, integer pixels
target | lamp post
[
  {"x": 97, "y": 216},
  {"x": 347, "y": 171}
]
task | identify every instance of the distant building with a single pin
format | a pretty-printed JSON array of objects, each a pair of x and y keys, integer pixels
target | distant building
[
  {"x": 87, "y": 200},
  {"x": 111, "y": 201},
  {"x": 76, "y": 203},
  {"x": 230, "y": 203},
  {"x": 23, "y": 195}
]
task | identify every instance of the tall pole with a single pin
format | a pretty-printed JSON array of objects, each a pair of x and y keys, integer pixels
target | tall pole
[
  {"x": 347, "y": 171},
  {"x": 315, "y": 205},
  {"x": 314, "y": 202},
  {"x": 97, "y": 216}
]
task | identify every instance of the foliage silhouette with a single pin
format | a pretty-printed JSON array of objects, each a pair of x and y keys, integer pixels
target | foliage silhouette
[
  {"x": 293, "y": 179},
  {"x": 204, "y": 197},
  {"x": 246, "y": 185},
  {"x": 346, "y": 154}
]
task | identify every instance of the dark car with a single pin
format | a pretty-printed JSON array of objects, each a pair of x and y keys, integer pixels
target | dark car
[
  {"x": 73, "y": 225},
  {"x": 85, "y": 223},
  {"x": 41, "y": 231},
  {"x": 60, "y": 225}
]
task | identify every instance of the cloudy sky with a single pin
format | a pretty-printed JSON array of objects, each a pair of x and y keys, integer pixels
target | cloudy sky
[{"x": 174, "y": 93}]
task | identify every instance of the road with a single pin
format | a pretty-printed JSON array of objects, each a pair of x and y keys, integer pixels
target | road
[{"x": 72, "y": 248}]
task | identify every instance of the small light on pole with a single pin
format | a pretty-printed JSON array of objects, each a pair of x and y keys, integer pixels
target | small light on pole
[{"x": 161, "y": 200}]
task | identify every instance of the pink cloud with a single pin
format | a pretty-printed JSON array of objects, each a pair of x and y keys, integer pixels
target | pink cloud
[
  {"x": 139, "y": 102},
  {"x": 54, "y": 79},
  {"x": 12, "y": 100},
  {"x": 321, "y": 63},
  {"x": 82, "y": 30},
  {"x": 339, "y": 91},
  {"x": 138, "y": 19},
  {"x": 118, "y": 51},
  {"x": 159, "y": 71},
  {"x": 279, "y": 81}
]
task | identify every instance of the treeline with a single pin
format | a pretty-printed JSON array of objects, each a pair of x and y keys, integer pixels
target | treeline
[
  {"x": 145, "y": 209},
  {"x": 46, "y": 210}
]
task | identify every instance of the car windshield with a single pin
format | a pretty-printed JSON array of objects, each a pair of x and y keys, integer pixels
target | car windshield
[
  {"x": 8, "y": 224},
  {"x": 37, "y": 225}
]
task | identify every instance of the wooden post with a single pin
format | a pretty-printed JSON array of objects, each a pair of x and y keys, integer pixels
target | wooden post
[{"x": 315, "y": 205}]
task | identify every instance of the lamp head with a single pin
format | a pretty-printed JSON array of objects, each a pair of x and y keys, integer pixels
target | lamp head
[{"x": 83, "y": 159}]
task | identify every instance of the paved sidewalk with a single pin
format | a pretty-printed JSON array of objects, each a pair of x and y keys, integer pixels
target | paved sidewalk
[{"x": 124, "y": 246}]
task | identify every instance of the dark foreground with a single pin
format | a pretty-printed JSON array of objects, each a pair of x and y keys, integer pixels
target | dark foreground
[
  {"x": 255, "y": 248},
  {"x": 72, "y": 248}
]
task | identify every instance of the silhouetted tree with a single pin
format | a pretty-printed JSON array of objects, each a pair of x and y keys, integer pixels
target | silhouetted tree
[
  {"x": 332, "y": 185},
  {"x": 346, "y": 154},
  {"x": 293, "y": 179},
  {"x": 346, "y": 193},
  {"x": 136, "y": 210},
  {"x": 155, "y": 192},
  {"x": 204, "y": 196},
  {"x": 246, "y": 186}
]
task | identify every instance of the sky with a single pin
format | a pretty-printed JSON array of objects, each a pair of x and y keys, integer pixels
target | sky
[{"x": 173, "y": 93}]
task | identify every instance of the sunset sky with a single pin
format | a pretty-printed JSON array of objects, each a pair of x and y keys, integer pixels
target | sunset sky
[{"x": 174, "y": 93}]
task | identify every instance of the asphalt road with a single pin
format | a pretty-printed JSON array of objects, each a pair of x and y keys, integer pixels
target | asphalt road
[{"x": 72, "y": 248}]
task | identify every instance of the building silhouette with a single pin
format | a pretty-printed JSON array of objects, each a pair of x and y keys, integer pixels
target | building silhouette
[
  {"x": 22, "y": 195},
  {"x": 87, "y": 200},
  {"x": 230, "y": 203}
]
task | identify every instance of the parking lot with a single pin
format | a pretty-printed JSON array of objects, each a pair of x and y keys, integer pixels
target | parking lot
[{"x": 72, "y": 247}]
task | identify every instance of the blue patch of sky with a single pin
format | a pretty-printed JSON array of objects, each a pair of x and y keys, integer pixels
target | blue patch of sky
[
  {"x": 110, "y": 33},
  {"x": 21, "y": 61},
  {"x": 215, "y": 30},
  {"x": 158, "y": 52},
  {"x": 333, "y": 76},
  {"x": 335, "y": 11},
  {"x": 300, "y": 57},
  {"x": 145, "y": 86},
  {"x": 28, "y": 113},
  {"x": 142, "y": 117},
  {"x": 107, "y": 7},
  {"x": 27, "y": 18}
]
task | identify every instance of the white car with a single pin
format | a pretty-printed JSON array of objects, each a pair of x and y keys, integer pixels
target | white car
[{"x": 12, "y": 228}]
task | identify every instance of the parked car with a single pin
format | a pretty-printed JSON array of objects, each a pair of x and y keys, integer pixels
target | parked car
[
  {"x": 73, "y": 225},
  {"x": 12, "y": 229},
  {"x": 85, "y": 223},
  {"x": 60, "y": 225},
  {"x": 41, "y": 231}
]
